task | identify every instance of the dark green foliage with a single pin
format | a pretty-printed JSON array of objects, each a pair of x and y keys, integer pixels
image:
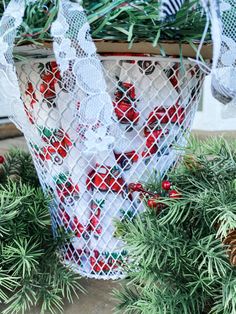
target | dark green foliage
[
  {"x": 119, "y": 20},
  {"x": 30, "y": 269},
  {"x": 19, "y": 167},
  {"x": 178, "y": 261},
  {"x": 138, "y": 20}
]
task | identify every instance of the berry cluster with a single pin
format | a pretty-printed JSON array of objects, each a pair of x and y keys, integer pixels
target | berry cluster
[{"x": 154, "y": 199}]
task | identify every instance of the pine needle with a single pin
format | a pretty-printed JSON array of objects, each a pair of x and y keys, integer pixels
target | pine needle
[{"x": 117, "y": 20}]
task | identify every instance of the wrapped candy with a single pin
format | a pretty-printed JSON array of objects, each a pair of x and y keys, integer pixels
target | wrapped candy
[
  {"x": 106, "y": 208},
  {"x": 148, "y": 78},
  {"x": 109, "y": 198},
  {"x": 107, "y": 263},
  {"x": 73, "y": 211}
]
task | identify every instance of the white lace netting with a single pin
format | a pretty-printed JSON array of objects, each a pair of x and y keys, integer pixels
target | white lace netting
[
  {"x": 223, "y": 15},
  {"x": 76, "y": 55},
  {"x": 77, "y": 59},
  {"x": 70, "y": 124},
  {"x": 9, "y": 87}
]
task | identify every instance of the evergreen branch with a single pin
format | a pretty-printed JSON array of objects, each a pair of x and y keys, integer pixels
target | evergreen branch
[
  {"x": 7, "y": 283},
  {"x": 67, "y": 282},
  {"x": 210, "y": 254},
  {"x": 51, "y": 300},
  {"x": 118, "y": 20},
  {"x": 22, "y": 257},
  {"x": 31, "y": 271},
  {"x": 182, "y": 255},
  {"x": 21, "y": 301}
]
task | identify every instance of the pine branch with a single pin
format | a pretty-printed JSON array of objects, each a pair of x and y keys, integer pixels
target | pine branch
[
  {"x": 21, "y": 257},
  {"x": 67, "y": 282},
  {"x": 18, "y": 166},
  {"x": 21, "y": 301},
  {"x": 182, "y": 256},
  {"x": 7, "y": 284},
  {"x": 117, "y": 20},
  {"x": 31, "y": 270}
]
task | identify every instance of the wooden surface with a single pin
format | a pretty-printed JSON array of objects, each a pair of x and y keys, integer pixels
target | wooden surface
[
  {"x": 170, "y": 49},
  {"x": 8, "y": 130}
]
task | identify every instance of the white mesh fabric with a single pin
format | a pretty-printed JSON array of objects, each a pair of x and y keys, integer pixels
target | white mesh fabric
[
  {"x": 91, "y": 135},
  {"x": 154, "y": 102}
]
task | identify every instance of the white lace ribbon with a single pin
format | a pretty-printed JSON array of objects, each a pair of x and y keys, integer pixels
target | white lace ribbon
[
  {"x": 9, "y": 86},
  {"x": 76, "y": 56},
  {"x": 223, "y": 19}
]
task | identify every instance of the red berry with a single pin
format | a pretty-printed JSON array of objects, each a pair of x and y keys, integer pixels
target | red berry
[
  {"x": 174, "y": 194},
  {"x": 152, "y": 203},
  {"x": 131, "y": 186},
  {"x": 2, "y": 159},
  {"x": 135, "y": 187},
  {"x": 139, "y": 186},
  {"x": 155, "y": 203},
  {"x": 166, "y": 185}
]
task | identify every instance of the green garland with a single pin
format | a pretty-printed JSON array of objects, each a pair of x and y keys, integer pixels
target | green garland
[
  {"x": 118, "y": 20},
  {"x": 182, "y": 250},
  {"x": 30, "y": 270}
]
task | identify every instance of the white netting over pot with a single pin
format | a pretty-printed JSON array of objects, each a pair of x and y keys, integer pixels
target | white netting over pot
[
  {"x": 88, "y": 171},
  {"x": 95, "y": 129}
]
